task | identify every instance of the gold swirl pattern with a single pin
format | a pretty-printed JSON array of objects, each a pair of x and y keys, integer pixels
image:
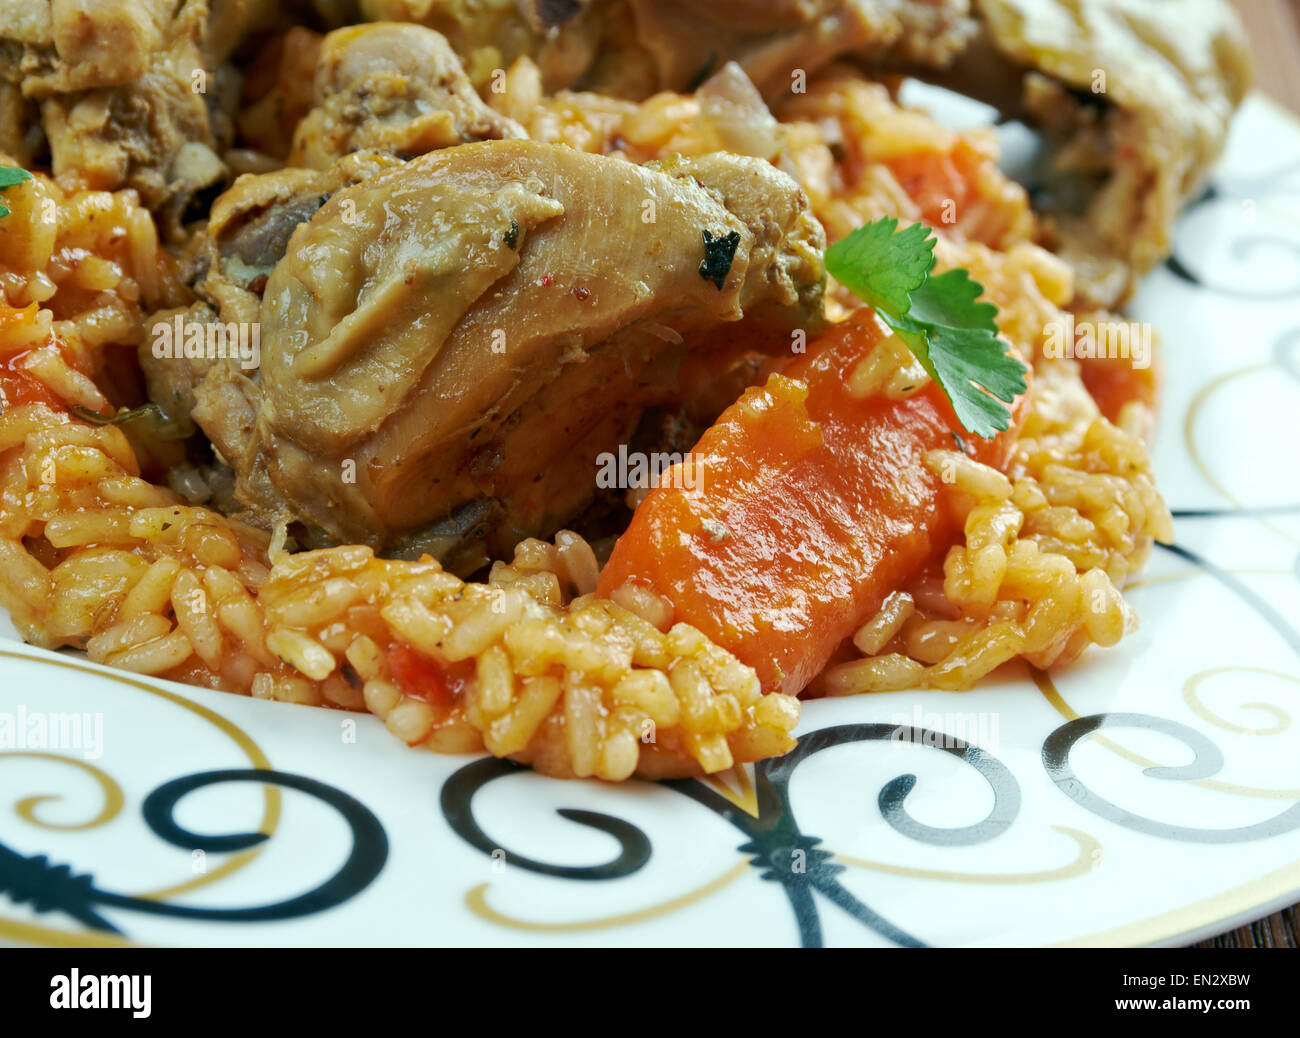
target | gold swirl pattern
[
  {"x": 110, "y": 790},
  {"x": 476, "y": 901},
  {"x": 1194, "y": 452},
  {"x": 1050, "y": 692},
  {"x": 1246, "y": 901},
  {"x": 48, "y": 937},
  {"x": 271, "y": 794},
  {"x": 1089, "y": 853},
  {"x": 1281, "y": 718},
  {"x": 742, "y": 794}
]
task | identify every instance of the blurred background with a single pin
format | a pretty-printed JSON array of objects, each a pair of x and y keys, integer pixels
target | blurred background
[{"x": 1274, "y": 28}]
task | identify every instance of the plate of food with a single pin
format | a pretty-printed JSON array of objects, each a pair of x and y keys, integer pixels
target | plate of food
[{"x": 629, "y": 473}]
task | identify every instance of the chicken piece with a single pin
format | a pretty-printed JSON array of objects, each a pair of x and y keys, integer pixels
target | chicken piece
[
  {"x": 227, "y": 264},
  {"x": 130, "y": 92},
  {"x": 395, "y": 88},
  {"x": 448, "y": 345},
  {"x": 562, "y": 35},
  {"x": 634, "y": 48},
  {"x": 115, "y": 88},
  {"x": 278, "y": 91},
  {"x": 69, "y": 46},
  {"x": 778, "y": 41},
  {"x": 1134, "y": 99},
  {"x": 1175, "y": 74}
]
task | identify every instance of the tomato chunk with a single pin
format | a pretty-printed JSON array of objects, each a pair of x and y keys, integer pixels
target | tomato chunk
[{"x": 421, "y": 676}]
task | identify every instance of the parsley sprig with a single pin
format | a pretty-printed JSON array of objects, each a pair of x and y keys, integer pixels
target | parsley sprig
[
  {"x": 9, "y": 177},
  {"x": 939, "y": 318}
]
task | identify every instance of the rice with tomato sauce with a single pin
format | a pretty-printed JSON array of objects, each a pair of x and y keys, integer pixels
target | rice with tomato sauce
[{"x": 529, "y": 663}]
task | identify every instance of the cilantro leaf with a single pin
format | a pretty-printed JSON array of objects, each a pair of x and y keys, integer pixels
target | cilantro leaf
[
  {"x": 9, "y": 177},
  {"x": 963, "y": 352},
  {"x": 882, "y": 265},
  {"x": 940, "y": 319}
]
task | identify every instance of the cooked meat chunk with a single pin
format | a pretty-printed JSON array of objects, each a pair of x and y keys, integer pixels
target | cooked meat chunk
[
  {"x": 482, "y": 322},
  {"x": 775, "y": 41},
  {"x": 633, "y": 48},
  {"x": 395, "y": 88},
  {"x": 562, "y": 35},
  {"x": 1134, "y": 97},
  {"x": 83, "y": 46},
  {"x": 119, "y": 113},
  {"x": 130, "y": 92},
  {"x": 250, "y": 225}
]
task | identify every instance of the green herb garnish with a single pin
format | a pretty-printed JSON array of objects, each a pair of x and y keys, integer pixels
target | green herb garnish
[
  {"x": 953, "y": 336},
  {"x": 10, "y": 176}
]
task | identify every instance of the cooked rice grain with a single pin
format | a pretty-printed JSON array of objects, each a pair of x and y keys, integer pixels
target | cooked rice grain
[
  {"x": 93, "y": 556},
  {"x": 178, "y": 591}
]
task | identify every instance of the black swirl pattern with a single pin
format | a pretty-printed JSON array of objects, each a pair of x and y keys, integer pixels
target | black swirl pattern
[
  {"x": 1208, "y": 761},
  {"x": 776, "y": 844},
  {"x": 47, "y": 887},
  {"x": 458, "y": 808},
  {"x": 1006, "y": 803}
]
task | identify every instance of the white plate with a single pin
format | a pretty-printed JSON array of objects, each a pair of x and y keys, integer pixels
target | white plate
[{"x": 1180, "y": 819}]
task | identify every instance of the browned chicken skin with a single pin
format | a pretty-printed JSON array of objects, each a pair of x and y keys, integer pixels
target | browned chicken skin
[
  {"x": 1133, "y": 96},
  {"x": 448, "y": 343},
  {"x": 471, "y": 329},
  {"x": 633, "y": 48},
  {"x": 391, "y": 87},
  {"x": 126, "y": 92}
]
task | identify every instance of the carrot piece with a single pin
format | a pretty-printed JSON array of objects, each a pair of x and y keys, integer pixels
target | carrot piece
[{"x": 801, "y": 508}]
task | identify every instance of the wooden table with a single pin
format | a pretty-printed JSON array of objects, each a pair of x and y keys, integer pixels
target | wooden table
[{"x": 1274, "y": 27}]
